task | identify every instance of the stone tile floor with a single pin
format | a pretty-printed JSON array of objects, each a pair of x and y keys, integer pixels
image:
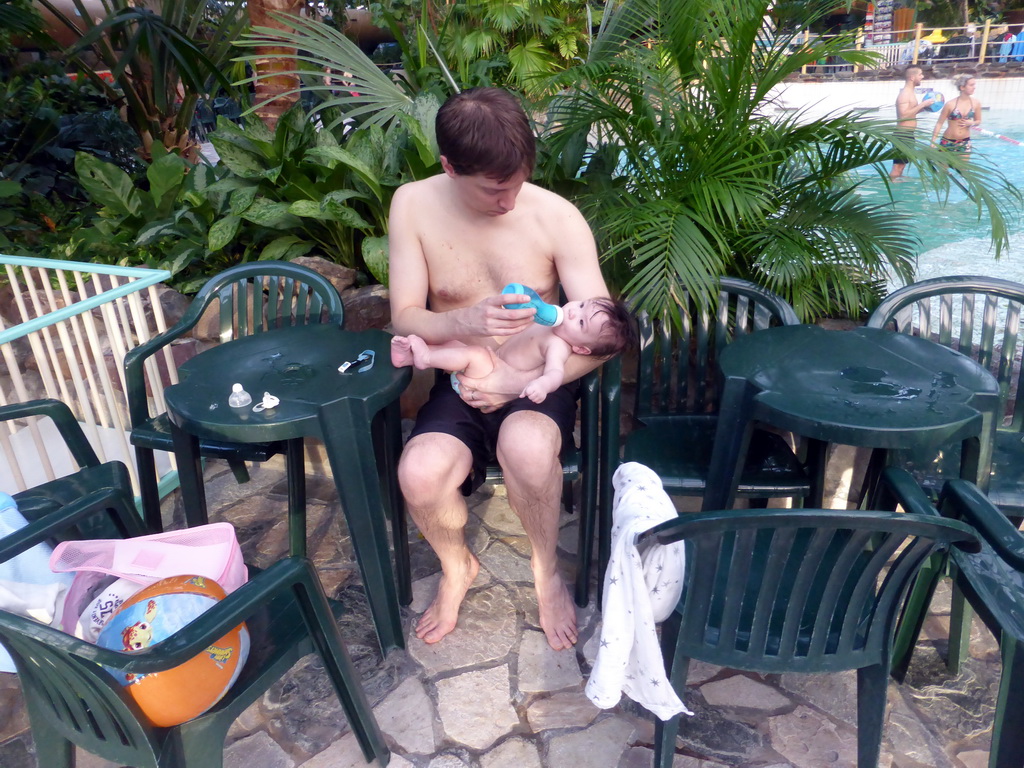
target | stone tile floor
[{"x": 493, "y": 695}]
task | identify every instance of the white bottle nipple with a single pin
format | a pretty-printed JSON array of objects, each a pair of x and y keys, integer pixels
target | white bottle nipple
[{"x": 238, "y": 398}]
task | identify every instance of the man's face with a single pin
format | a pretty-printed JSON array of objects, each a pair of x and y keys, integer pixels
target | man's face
[
  {"x": 483, "y": 194},
  {"x": 916, "y": 76},
  {"x": 583, "y": 324}
]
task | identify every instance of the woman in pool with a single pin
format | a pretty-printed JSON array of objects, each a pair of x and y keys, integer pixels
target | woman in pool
[{"x": 961, "y": 114}]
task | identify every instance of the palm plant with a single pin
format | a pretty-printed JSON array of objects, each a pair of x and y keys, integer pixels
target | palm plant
[
  {"x": 688, "y": 174},
  {"x": 162, "y": 63}
]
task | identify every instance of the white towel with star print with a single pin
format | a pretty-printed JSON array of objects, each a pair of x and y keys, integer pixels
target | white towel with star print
[{"x": 638, "y": 593}]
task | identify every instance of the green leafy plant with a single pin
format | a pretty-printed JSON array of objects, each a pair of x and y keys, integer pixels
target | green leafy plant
[
  {"x": 302, "y": 189},
  {"x": 667, "y": 139},
  {"x": 162, "y": 63},
  {"x": 164, "y": 222},
  {"x": 45, "y": 117},
  {"x": 515, "y": 43}
]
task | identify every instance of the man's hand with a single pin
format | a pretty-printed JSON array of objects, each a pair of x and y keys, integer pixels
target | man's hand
[
  {"x": 502, "y": 385},
  {"x": 490, "y": 318}
]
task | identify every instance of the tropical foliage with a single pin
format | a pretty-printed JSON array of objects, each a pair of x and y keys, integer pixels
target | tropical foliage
[
  {"x": 162, "y": 63},
  {"x": 301, "y": 189},
  {"x": 45, "y": 117},
  {"x": 689, "y": 173},
  {"x": 496, "y": 42}
]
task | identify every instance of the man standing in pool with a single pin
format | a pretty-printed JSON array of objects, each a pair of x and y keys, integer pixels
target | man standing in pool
[
  {"x": 907, "y": 108},
  {"x": 455, "y": 239}
]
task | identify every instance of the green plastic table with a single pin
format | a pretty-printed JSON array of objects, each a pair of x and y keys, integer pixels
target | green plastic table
[
  {"x": 864, "y": 387},
  {"x": 299, "y": 365}
]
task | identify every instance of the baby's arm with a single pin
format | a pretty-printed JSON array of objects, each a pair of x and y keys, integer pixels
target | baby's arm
[{"x": 555, "y": 355}]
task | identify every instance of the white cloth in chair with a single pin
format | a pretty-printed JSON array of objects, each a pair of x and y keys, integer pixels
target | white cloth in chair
[
  {"x": 638, "y": 593},
  {"x": 27, "y": 585}
]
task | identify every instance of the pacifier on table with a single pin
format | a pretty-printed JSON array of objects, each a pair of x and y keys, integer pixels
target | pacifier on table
[
  {"x": 364, "y": 362},
  {"x": 269, "y": 401}
]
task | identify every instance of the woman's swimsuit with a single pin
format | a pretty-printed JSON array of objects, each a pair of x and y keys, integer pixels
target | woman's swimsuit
[
  {"x": 955, "y": 115},
  {"x": 958, "y": 145},
  {"x": 962, "y": 146}
]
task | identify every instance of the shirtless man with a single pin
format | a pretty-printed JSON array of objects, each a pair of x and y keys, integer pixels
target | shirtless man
[
  {"x": 906, "y": 114},
  {"x": 455, "y": 240}
]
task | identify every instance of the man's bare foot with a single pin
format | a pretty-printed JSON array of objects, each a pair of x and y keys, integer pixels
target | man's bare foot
[
  {"x": 557, "y": 612},
  {"x": 443, "y": 614}
]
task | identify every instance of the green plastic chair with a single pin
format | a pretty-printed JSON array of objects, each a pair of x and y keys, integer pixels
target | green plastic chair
[
  {"x": 979, "y": 317},
  {"x": 71, "y": 700},
  {"x": 992, "y": 579},
  {"x": 806, "y": 590},
  {"x": 676, "y": 404},
  {"x": 253, "y": 298},
  {"x": 94, "y": 485}
]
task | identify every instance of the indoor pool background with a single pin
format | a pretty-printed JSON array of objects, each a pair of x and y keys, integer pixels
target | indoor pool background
[{"x": 953, "y": 239}]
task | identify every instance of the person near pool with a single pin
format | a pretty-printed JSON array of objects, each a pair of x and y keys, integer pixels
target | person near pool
[
  {"x": 599, "y": 327},
  {"x": 907, "y": 108},
  {"x": 455, "y": 239},
  {"x": 960, "y": 115}
]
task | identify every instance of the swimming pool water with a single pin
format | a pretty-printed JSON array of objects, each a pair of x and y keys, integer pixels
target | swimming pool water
[{"x": 954, "y": 241}]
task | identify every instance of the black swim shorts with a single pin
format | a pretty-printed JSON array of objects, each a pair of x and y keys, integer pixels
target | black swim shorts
[
  {"x": 446, "y": 412},
  {"x": 903, "y": 133}
]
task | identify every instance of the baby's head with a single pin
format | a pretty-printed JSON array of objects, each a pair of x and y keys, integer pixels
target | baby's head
[{"x": 612, "y": 328}]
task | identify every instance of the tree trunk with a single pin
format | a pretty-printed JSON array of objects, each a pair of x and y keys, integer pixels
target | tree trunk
[{"x": 272, "y": 84}]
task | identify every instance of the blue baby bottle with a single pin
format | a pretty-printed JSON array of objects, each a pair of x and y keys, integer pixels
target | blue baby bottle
[{"x": 547, "y": 314}]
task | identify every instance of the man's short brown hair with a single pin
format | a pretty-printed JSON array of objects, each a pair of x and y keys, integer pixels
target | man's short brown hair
[
  {"x": 908, "y": 70},
  {"x": 485, "y": 130},
  {"x": 619, "y": 332}
]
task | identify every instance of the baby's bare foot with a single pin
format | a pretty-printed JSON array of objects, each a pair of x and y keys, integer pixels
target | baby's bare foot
[
  {"x": 443, "y": 614},
  {"x": 420, "y": 353},
  {"x": 401, "y": 351}
]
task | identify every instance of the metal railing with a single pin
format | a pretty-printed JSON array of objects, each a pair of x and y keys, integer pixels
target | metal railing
[
  {"x": 923, "y": 45},
  {"x": 72, "y": 324}
]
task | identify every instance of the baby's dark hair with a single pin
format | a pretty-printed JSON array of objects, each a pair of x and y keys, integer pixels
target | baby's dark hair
[{"x": 619, "y": 332}]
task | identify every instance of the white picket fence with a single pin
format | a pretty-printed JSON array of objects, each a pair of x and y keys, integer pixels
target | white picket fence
[{"x": 74, "y": 323}]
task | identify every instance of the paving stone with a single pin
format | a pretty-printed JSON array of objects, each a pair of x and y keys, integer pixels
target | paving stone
[
  {"x": 407, "y": 717},
  {"x": 485, "y": 634},
  {"x": 599, "y": 746},
  {"x": 975, "y": 758},
  {"x": 345, "y": 753},
  {"x": 700, "y": 672},
  {"x": 13, "y": 715},
  {"x": 514, "y": 753},
  {"x": 505, "y": 564},
  {"x": 742, "y": 691},
  {"x": 833, "y": 693},
  {"x": 18, "y": 753},
  {"x": 569, "y": 538},
  {"x": 958, "y": 708},
  {"x": 906, "y": 734},
  {"x": 496, "y": 513},
  {"x": 642, "y": 757},
  {"x": 568, "y": 709},
  {"x": 541, "y": 668},
  {"x": 85, "y": 759},
  {"x": 809, "y": 740},
  {"x": 258, "y": 749},
  {"x": 718, "y": 735},
  {"x": 475, "y": 707},
  {"x": 447, "y": 761}
]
